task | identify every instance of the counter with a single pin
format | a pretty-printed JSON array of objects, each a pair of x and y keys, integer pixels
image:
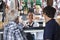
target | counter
[{"x": 33, "y": 29}]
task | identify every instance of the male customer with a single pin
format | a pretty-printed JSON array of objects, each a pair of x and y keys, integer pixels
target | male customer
[
  {"x": 52, "y": 29},
  {"x": 13, "y": 30}
]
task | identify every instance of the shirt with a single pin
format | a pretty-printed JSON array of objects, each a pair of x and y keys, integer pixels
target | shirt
[
  {"x": 12, "y": 31},
  {"x": 50, "y": 30},
  {"x": 33, "y": 24}
]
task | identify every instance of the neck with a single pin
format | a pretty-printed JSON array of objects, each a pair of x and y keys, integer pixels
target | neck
[
  {"x": 30, "y": 22},
  {"x": 47, "y": 19}
]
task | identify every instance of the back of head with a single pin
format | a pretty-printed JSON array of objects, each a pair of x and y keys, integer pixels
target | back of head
[
  {"x": 13, "y": 15},
  {"x": 31, "y": 10},
  {"x": 49, "y": 11}
]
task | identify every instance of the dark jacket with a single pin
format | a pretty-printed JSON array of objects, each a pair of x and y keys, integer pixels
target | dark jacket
[{"x": 52, "y": 30}]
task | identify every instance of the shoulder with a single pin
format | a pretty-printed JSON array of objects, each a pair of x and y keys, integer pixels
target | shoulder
[
  {"x": 51, "y": 24},
  {"x": 10, "y": 26}
]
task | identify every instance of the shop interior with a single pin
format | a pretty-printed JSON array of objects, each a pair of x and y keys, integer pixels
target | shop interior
[{"x": 21, "y": 7}]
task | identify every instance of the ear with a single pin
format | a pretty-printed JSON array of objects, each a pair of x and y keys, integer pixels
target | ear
[{"x": 44, "y": 14}]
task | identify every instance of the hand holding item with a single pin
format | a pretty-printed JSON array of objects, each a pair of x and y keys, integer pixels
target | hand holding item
[{"x": 25, "y": 25}]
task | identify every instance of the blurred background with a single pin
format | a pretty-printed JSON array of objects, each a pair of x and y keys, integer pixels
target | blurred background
[{"x": 21, "y": 7}]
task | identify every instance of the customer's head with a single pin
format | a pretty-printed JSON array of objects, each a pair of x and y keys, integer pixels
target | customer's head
[
  {"x": 30, "y": 14},
  {"x": 12, "y": 15},
  {"x": 49, "y": 12}
]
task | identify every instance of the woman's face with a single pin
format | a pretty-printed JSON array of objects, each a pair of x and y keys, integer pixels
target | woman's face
[{"x": 30, "y": 16}]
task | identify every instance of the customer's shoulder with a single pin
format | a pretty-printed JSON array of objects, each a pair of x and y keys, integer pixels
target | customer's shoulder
[
  {"x": 10, "y": 25},
  {"x": 52, "y": 21}
]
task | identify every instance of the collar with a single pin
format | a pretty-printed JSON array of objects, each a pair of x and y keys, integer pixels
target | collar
[{"x": 31, "y": 23}]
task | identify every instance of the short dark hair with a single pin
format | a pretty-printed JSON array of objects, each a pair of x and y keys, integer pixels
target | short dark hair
[
  {"x": 49, "y": 11},
  {"x": 31, "y": 10}
]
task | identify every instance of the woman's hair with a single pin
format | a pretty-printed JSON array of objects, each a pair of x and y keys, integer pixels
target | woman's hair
[{"x": 31, "y": 10}]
